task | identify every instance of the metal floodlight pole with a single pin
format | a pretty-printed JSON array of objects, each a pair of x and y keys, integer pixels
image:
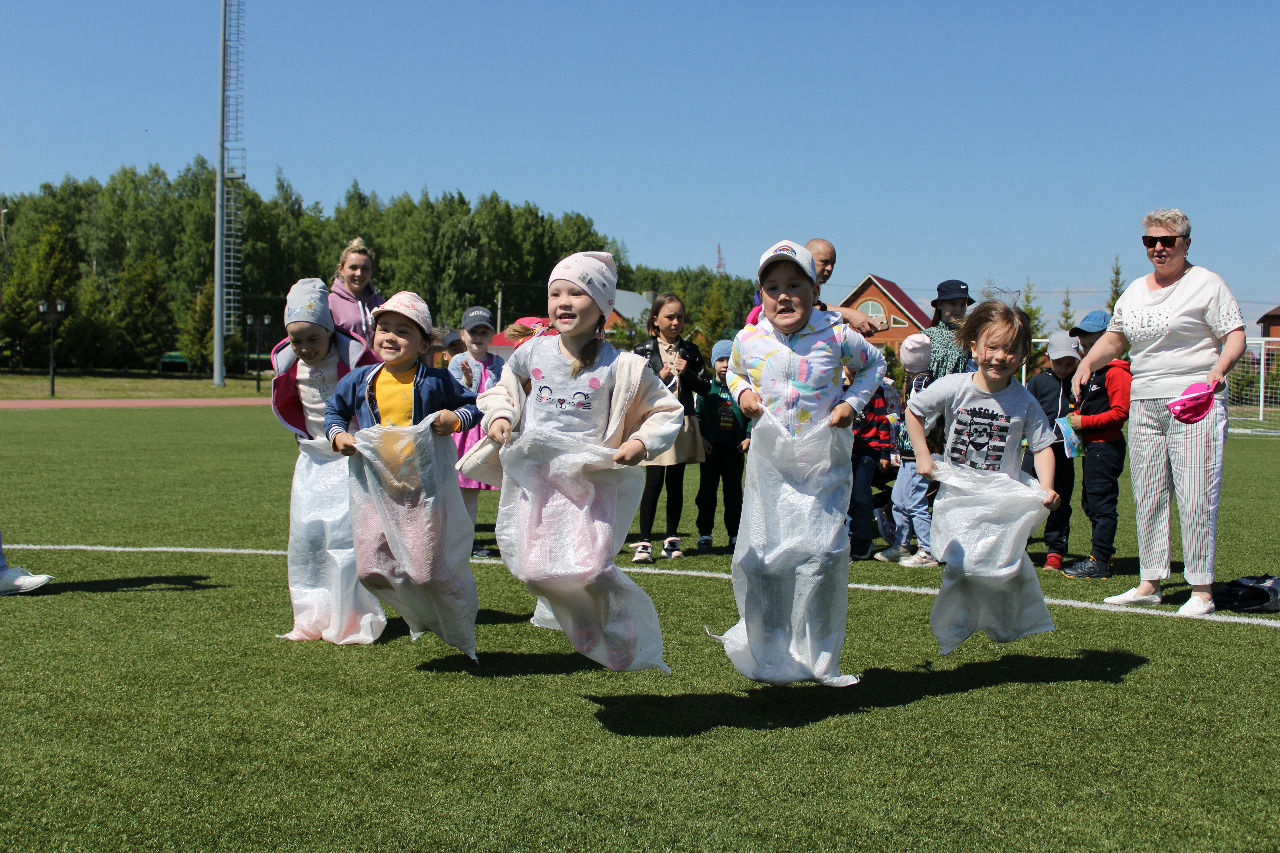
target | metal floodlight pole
[{"x": 220, "y": 236}]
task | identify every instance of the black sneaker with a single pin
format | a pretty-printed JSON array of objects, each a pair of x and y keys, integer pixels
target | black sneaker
[{"x": 1090, "y": 568}]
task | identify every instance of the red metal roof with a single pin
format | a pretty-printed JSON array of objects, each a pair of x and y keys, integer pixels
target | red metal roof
[{"x": 900, "y": 298}]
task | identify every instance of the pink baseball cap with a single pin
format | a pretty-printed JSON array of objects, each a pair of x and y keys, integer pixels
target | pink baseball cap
[{"x": 1193, "y": 404}]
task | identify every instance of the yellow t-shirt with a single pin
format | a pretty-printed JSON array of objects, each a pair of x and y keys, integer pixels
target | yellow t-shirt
[{"x": 394, "y": 393}]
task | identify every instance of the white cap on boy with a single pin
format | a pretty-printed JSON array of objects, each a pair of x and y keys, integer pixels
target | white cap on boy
[
  {"x": 1062, "y": 345},
  {"x": 308, "y": 302},
  {"x": 594, "y": 272},
  {"x": 787, "y": 250}
]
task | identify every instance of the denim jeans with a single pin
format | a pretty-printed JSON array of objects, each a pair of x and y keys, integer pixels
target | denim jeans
[{"x": 911, "y": 506}]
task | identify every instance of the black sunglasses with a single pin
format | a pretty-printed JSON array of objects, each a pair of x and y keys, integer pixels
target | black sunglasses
[{"x": 1168, "y": 241}]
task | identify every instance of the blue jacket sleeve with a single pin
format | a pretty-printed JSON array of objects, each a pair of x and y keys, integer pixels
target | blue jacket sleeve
[{"x": 341, "y": 407}]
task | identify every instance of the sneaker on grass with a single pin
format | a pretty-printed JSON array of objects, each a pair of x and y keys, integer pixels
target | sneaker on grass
[
  {"x": 704, "y": 544},
  {"x": 920, "y": 559},
  {"x": 892, "y": 554},
  {"x": 14, "y": 580},
  {"x": 643, "y": 554},
  {"x": 1090, "y": 568},
  {"x": 671, "y": 548}
]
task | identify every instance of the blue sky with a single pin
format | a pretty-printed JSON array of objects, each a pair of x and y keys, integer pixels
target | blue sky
[{"x": 926, "y": 140}]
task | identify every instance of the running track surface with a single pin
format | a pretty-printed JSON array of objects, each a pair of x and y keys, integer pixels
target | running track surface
[{"x": 140, "y": 403}]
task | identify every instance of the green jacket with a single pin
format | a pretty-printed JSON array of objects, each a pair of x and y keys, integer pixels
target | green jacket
[{"x": 708, "y": 413}]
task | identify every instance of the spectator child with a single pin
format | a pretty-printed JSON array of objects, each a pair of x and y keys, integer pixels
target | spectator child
[
  {"x": 1104, "y": 408},
  {"x": 946, "y": 354},
  {"x": 573, "y": 415},
  {"x": 986, "y": 415},
  {"x": 725, "y": 439},
  {"x": 681, "y": 367},
  {"x": 910, "y": 490},
  {"x": 477, "y": 370},
  {"x": 1052, "y": 389},
  {"x": 328, "y": 601},
  {"x": 419, "y": 580},
  {"x": 790, "y": 574},
  {"x": 872, "y": 447}
]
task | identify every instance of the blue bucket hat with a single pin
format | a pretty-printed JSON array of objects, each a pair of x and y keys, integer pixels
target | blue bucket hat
[
  {"x": 721, "y": 349},
  {"x": 1096, "y": 320},
  {"x": 950, "y": 289}
]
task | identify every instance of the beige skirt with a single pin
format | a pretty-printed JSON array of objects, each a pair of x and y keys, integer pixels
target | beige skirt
[{"x": 687, "y": 447}]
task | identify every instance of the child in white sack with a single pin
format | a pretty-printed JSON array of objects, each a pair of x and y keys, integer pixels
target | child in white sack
[
  {"x": 988, "y": 583},
  {"x": 477, "y": 370},
  {"x": 791, "y": 561},
  {"x": 574, "y": 417},
  {"x": 412, "y": 532},
  {"x": 328, "y": 601}
]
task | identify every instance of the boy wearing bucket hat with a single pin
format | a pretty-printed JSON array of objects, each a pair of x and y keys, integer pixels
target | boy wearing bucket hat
[{"x": 1104, "y": 409}]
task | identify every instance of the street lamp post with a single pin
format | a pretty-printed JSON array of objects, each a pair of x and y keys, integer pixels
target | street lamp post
[
  {"x": 257, "y": 351},
  {"x": 52, "y": 312}
]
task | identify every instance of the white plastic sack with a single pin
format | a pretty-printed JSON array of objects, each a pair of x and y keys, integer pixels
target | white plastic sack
[
  {"x": 565, "y": 510},
  {"x": 412, "y": 532},
  {"x": 981, "y": 523},
  {"x": 328, "y": 601},
  {"x": 791, "y": 563}
]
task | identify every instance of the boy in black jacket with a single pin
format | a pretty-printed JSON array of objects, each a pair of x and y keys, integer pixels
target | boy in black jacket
[
  {"x": 1053, "y": 389},
  {"x": 1104, "y": 408}
]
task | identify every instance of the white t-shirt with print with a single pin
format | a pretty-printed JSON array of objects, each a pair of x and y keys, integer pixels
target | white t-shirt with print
[
  {"x": 574, "y": 405},
  {"x": 984, "y": 430},
  {"x": 1175, "y": 333},
  {"x": 316, "y": 384}
]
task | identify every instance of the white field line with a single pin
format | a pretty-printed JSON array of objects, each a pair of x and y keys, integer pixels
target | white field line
[{"x": 865, "y": 587}]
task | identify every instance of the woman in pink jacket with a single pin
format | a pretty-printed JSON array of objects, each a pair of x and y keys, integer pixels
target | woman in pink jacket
[{"x": 352, "y": 297}]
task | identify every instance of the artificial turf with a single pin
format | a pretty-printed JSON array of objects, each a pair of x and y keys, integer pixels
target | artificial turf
[{"x": 147, "y": 704}]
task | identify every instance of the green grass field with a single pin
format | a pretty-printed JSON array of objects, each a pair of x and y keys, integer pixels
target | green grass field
[{"x": 147, "y": 705}]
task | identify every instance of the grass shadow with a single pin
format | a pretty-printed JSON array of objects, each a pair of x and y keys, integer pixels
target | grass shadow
[
  {"x": 507, "y": 664},
  {"x": 792, "y": 706},
  {"x": 501, "y": 617},
  {"x": 147, "y": 583}
]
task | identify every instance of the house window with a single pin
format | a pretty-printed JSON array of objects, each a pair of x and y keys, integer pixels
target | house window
[
  {"x": 897, "y": 321},
  {"x": 870, "y": 306}
]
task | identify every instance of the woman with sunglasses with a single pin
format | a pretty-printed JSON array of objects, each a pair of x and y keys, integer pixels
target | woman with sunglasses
[{"x": 1183, "y": 327}]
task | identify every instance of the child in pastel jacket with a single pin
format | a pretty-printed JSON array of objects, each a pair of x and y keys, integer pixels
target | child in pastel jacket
[
  {"x": 576, "y": 391},
  {"x": 328, "y": 601},
  {"x": 791, "y": 585}
]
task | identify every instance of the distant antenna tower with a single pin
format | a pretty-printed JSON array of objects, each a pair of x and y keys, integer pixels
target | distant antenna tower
[
  {"x": 227, "y": 260},
  {"x": 719, "y": 260}
]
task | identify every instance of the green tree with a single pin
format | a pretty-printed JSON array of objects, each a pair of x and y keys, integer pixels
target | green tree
[
  {"x": 139, "y": 312},
  {"x": 45, "y": 271},
  {"x": 1066, "y": 319},
  {"x": 1117, "y": 284}
]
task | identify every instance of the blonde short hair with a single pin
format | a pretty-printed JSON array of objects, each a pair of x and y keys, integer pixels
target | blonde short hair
[{"x": 1170, "y": 217}]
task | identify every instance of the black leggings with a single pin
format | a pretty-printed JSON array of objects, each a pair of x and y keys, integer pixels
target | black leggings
[{"x": 653, "y": 478}]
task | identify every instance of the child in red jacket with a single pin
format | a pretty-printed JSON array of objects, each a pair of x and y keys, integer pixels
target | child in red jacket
[{"x": 1104, "y": 408}]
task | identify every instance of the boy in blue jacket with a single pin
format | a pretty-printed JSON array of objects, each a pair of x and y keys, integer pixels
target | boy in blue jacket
[{"x": 400, "y": 391}]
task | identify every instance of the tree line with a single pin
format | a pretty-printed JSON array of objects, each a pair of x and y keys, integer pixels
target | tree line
[{"x": 133, "y": 260}]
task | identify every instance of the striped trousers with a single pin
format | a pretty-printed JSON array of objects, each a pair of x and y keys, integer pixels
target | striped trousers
[{"x": 1165, "y": 452}]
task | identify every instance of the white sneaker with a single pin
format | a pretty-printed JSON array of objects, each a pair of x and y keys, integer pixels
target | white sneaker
[
  {"x": 14, "y": 580},
  {"x": 1132, "y": 596},
  {"x": 919, "y": 560},
  {"x": 1196, "y": 606},
  {"x": 892, "y": 554}
]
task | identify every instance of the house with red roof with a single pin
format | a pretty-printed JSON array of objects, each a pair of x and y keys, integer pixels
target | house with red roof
[
  {"x": 1270, "y": 323},
  {"x": 878, "y": 296}
]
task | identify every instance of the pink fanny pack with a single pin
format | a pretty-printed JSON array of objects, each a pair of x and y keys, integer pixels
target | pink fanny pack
[{"x": 1193, "y": 404}]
